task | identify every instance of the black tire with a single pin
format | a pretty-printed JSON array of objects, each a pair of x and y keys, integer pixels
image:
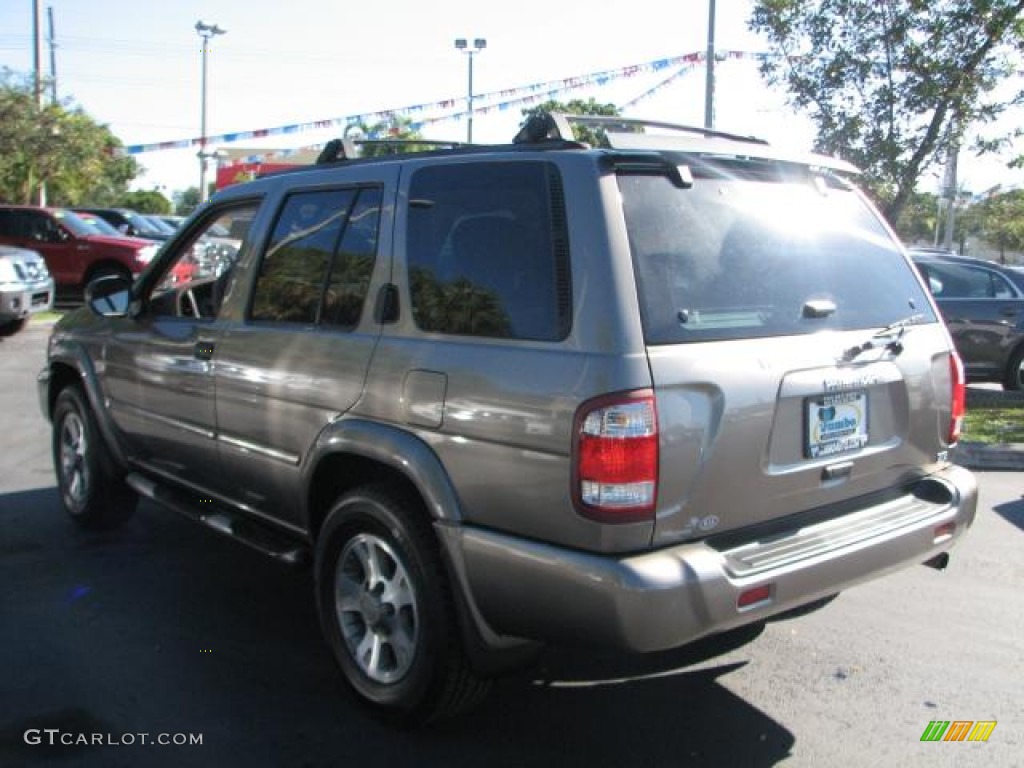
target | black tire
[
  {"x": 1014, "y": 379},
  {"x": 11, "y": 327},
  {"x": 387, "y": 611},
  {"x": 91, "y": 489}
]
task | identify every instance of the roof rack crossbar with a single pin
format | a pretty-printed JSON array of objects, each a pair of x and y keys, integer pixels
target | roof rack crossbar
[
  {"x": 346, "y": 148},
  {"x": 636, "y": 125}
]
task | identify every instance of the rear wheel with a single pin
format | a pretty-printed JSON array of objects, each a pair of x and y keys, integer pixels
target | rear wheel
[
  {"x": 387, "y": 610},
  {"x": 93, "y": 492},
  {"x": 1014, "y": 379}
]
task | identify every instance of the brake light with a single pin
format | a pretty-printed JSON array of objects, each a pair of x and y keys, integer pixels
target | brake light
[
  {"x": 959, "y": 408},
  {"x": 615, "y": 456}
]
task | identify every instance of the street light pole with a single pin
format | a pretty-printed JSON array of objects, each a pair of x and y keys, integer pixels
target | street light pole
[
  {"x": 462, "y": 44},
  {"x": 205, "y": 32},
  {"x": 709, "y": 84}
]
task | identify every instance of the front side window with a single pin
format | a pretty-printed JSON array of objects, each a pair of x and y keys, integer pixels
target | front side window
[
  {"x": 745, "y": 254},
  {"x": 195, "y": 283},
  {"x": 487, "y": 251}
]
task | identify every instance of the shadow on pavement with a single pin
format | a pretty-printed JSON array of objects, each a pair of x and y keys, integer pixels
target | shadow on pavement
[
  {"x": 1013, "y": 511},
  {"x": 161, "y": 627}
]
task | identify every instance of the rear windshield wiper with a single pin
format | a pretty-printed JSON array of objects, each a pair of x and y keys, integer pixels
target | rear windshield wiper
[{"x": 889, "y": 338}]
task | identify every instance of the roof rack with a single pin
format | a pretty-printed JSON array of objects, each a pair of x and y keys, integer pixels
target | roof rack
[
  {"x": 348, "y": 149},
  {"x": 633, "y": 133},
  {"x": 558, "y": 125}
]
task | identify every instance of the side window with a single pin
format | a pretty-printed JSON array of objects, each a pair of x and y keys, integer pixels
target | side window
[
  {"x": 195, "y": 283},
  {"x": 487, "y": 251},
  {"x": 1001, "y": 288},
  {"x": 295, "y": 267},
  {"x": 353, "y": 263}
]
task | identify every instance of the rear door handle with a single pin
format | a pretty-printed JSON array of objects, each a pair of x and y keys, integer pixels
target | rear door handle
[{"x": 204, "y": 350}]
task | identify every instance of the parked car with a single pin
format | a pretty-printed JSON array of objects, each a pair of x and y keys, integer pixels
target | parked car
[
  {"x": 25, "y": 287},
  {"x": 130, "y": 222},
  {"x": 983, "y": 306},
  {"x": 74, "y": 253},
  {"x": 99, "y": 225},
  {"x": 511, "y": 395}
]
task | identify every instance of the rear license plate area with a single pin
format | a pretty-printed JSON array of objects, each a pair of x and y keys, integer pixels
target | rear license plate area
[{"x": 835, "y": 423}]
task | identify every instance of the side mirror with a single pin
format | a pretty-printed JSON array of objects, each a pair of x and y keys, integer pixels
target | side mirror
[{"x": 109, "y": 296}]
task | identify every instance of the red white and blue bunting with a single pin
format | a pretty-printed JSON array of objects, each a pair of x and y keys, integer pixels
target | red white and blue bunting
[{"x": 420, "y": 114}]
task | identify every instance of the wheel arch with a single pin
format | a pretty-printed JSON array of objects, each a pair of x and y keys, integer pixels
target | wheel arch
[
  {"x": 354, "y": 452},
  {"x": 70, "y": 365}
]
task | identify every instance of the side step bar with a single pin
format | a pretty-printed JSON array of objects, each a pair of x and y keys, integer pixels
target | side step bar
[{"x": 260, "y": 537}]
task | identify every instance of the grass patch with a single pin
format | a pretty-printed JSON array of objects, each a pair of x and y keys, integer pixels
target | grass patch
[
  {"x": 994, "y": 425},
  {"x": 46, "y": 317}
]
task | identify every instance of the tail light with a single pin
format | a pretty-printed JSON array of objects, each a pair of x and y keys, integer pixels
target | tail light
[
  {"x": 956, "y": 418},
  {"x": 615, "y": 458}
]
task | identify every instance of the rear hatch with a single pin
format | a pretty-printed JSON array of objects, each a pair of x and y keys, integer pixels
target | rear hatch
[{"x": 797, "y": 361}]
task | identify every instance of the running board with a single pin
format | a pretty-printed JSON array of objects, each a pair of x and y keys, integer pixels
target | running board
[{"x": 242, "y": 529}]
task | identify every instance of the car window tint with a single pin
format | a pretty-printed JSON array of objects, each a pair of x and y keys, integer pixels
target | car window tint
[
  {"x": 353, "y": 262},
  {"x": 292, "y": 276},
  {"x": 752, "y": 253},
  {"x": 488, "y": 251}
]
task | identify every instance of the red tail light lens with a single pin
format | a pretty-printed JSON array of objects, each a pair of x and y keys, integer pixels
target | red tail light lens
[
  {"x": 616, "y": 458},
  {"x": 956, "y": 419}
]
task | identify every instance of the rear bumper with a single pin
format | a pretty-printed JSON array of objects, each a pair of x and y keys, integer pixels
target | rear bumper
[{"x": 669, "y": 597}]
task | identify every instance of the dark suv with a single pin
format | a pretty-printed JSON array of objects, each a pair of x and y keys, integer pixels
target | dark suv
[
  {"x": 511, "y": 395},
  {"x": 983, "y": 306}
]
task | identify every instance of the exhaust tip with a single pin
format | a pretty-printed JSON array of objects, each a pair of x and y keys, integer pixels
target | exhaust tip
[{"x": 939, "y": 562}]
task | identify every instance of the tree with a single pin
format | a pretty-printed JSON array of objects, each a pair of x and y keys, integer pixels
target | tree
[
  {"x": 145, "y": 201},
  {"x": 919, "y": 218},
  {"x": 186, "y": 201},
  {"x": 375, "y": 137},
  {"x": 893, "y": 85},
  {"x": 77, "y": 158},
  {"x": 1000, "y": 221},
  {"x": 577, "y": 107}
]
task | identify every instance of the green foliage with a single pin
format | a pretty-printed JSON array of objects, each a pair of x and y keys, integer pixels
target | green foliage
[
  {"x": 145, "y": 201},
  {"x": 186, "y": 201},
  {"x": 918, "y": 219},
  {"x": 395, "y": 128},
  {"x": 76, "y": 157},
  {"x": 891, "y": 85},
  {"x": 577, "y": 107},
  {"x": 999, "y": 220}
]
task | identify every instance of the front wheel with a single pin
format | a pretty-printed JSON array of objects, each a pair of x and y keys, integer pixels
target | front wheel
[
  {"x": 387, "y": 611},
  {"x": 91, "y": 489}
]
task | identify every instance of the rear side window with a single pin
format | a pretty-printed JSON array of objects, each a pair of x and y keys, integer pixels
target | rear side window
[
  {"x": 487, "y": 251},
  {"x": 743, "y": 255},
  {"x": 318, "y": 264},
  {"x": 961, "y": 281}
]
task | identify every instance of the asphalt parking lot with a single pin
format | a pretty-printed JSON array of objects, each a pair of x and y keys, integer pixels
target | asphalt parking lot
[{"x": 161, "y": 629}]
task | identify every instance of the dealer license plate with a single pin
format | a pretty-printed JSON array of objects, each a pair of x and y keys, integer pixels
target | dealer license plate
[{"x": 836, "y": 423}]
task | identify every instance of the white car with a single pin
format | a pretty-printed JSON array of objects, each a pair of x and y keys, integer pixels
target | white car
[{"x": 25, "y": 287}]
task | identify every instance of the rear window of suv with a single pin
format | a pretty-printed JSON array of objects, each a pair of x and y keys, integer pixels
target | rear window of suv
[{"x": 747, "y": 253}]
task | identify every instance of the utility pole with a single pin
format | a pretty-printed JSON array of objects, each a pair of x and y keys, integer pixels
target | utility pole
[
  {"x": 709, "y": 83},
  {"x": 37, "y": 75},
  {"x": 53, "y": 57},
  {"x": 37, "y": 55}
]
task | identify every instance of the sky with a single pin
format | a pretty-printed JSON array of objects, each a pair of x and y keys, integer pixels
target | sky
[{"x": 136, "y": 66}]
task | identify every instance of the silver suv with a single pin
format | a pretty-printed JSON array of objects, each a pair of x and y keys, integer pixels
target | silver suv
[
  {"x": 26, "y": 287},
  {"x": 512, "y": 395}
]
